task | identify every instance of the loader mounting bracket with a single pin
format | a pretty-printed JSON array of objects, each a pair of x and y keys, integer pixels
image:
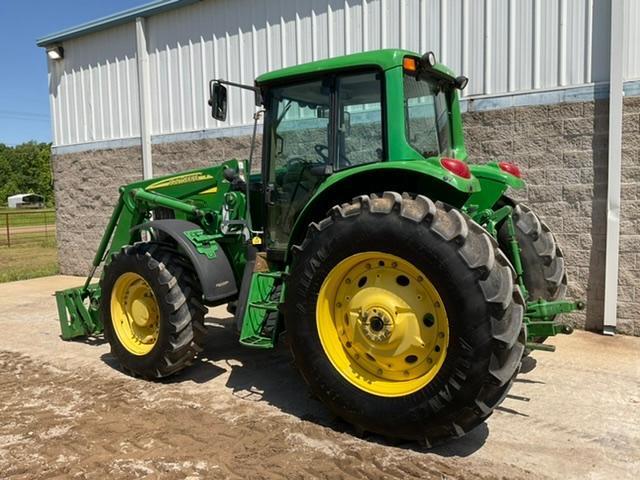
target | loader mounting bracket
[{"x": 78, "y": 311}]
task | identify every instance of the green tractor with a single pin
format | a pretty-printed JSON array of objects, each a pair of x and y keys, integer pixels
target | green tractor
[{"x": 409, "y": 286}]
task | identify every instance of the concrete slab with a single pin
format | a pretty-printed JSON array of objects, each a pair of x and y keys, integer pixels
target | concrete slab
[{"x": 237, "y": 413}]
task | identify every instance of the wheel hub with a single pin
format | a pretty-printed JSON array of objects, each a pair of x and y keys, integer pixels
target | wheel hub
[
  {"x": 376, "y": 324},
  {"x": 141, "y": 311}
]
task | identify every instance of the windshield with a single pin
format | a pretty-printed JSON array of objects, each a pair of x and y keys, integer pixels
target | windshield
[{"x": 426, "y": 116}]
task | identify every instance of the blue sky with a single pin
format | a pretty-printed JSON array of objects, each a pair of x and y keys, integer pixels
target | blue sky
[{"x": 24, "y": 104}]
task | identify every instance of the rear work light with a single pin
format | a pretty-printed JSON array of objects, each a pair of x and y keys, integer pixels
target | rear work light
[
  {"x": 511, "y": 168},
  {"x": 457, "y": 167}
]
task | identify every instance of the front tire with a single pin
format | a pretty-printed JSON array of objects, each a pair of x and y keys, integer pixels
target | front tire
[
  {"x": 151, "y": 310},
  {"x": 353, "y": 367}
]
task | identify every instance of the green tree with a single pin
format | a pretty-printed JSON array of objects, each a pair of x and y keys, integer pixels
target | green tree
[{"x": 26, "y": 168}]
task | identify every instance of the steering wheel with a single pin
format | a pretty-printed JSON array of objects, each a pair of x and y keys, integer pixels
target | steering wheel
[
  {"x": 323, "y": 151},
  {"x": 302, "y": 165},
  {"x": 293, "y": 161}
]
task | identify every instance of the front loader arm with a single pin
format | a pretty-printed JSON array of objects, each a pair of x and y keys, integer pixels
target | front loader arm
[
  {"x": 78, "y": 307},
  {"x": 199, "y": 197}
]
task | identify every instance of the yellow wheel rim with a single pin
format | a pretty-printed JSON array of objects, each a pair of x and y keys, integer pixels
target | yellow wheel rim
[
  {"x": 382, "y": 324},
  {"x": 134, "y": 313}
]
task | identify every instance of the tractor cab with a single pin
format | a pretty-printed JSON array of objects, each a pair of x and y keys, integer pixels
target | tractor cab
[{"x": 332, "y": 116}]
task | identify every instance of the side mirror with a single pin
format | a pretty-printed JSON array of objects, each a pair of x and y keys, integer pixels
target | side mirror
[
  {"x": 218, "y": 100},
  {"x": 461, "y": 82}
]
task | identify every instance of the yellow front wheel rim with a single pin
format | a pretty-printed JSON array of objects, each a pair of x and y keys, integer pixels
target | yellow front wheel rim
[
  {"x": 382, "y": 324},
  {"x": 134, "y": 313}
]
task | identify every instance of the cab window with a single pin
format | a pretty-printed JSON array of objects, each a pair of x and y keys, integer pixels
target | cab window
[{"x": 427, "y": 123}]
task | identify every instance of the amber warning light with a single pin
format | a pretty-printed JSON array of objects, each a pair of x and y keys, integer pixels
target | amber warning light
[{"x": 409, "y": 64}]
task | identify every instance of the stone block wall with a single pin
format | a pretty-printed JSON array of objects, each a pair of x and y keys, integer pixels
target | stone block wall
[
  {"x": 169, "y": 158},
  {"x": 561, "y": 148},
  {"x": 86, "y": 189}
]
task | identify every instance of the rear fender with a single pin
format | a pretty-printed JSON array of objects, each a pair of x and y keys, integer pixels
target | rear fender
[
  {"x": 416, "y": 177},
  {"x": 493, "y": 184},
  {"x": 215, "y": 274}
]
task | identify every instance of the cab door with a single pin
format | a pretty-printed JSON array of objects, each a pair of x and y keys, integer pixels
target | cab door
[
  {"x": 313, "y": 129},
  {"x": 298, "y": 132}
]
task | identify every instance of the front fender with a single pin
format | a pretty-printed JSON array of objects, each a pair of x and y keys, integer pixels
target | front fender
[
  {"x": 419, "y": 177},
  {"x": 215, "y": 274}
]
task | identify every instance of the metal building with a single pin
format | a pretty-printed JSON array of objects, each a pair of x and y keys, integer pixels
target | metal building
[
  {"x": 133, "y": 86},
  {"x": 25, "y": 200},
  {"x": 169, "y": 49}
]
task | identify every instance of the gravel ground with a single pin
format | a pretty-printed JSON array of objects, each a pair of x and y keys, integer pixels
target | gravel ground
[{"x": 67, "y": 412}]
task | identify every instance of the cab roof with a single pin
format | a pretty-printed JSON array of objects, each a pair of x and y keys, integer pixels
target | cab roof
[{"x": 384, "y": 59}]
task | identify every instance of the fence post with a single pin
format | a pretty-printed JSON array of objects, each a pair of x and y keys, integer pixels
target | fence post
[
  {"x": 46, "y": 235},
  {"x": 6, "y": 215}
]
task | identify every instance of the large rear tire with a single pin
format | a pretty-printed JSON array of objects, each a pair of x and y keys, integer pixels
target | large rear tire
[
  {"x": 359, "y": 287},
  {"x": 544, "y": 272},
  {"x": 151, "y": 310}
]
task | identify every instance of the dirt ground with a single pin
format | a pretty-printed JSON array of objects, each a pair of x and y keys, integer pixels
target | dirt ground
[{"x": 67, "y": 412}]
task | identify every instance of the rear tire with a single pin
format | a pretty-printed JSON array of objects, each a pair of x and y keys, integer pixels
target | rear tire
[
  {"x": 178, "y": 311},
  {"x": 544, "y": 271},
  {"x": 472, "y": 277}
]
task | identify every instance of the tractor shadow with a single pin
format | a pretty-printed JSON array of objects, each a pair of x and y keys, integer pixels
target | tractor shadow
[
  {"x": 93, "y": 340},
  {"x": 528, "y": 364},
  {"x": 271, "y": 376}
]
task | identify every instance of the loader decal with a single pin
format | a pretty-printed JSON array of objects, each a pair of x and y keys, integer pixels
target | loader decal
[{"x": 180, "y": 180}]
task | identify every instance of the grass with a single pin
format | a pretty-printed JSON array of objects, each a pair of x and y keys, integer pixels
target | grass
[
  {"x": 27, "y": 218},
  {"x": 29, "y": 261}
]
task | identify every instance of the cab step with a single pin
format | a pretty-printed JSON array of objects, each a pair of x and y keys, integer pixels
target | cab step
[{"x": 260, "y": 323}]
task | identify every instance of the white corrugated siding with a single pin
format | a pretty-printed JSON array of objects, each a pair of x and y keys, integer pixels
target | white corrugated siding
[
  {"x": 94, "y": 90},
  {"x": 632, "y": 44},
  {"x": 501, "y": 45}
]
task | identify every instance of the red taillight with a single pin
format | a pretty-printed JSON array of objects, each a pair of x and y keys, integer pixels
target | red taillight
[
  {"x": 456, "y": 166},
  {"x": 511, "y": 168}
]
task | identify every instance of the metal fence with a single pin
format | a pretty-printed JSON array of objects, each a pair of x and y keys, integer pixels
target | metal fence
[{"x": 25, "y": 227}]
